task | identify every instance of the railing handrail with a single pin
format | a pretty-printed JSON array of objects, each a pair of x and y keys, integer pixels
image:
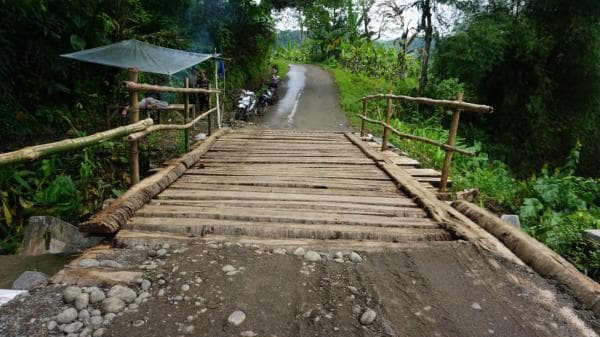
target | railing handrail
[
  {"x": 133, "y": 132},
  {"x": 457, "y": 106},
  {"x": 418, "y": 138},
  {"x": 433, "y": 102},
  {"x": 31, "y": 153},
  {"x": 135, "y": 86}
]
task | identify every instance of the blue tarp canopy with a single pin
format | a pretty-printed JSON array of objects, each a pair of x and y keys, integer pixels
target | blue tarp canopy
[{"x": 143, "y": 56}]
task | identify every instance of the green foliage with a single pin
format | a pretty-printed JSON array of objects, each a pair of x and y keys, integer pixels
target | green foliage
[
  {"x": 536, "y": 63},
  {"x": 71, "y": 187}
]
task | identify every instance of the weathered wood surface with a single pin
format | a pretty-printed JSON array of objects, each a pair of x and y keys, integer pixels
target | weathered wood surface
[
  {"x": 112, "y": 218},
  {"x": 281, "y": 184}
]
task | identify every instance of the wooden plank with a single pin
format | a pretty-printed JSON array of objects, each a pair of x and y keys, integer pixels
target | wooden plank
[
  {"x": 276, "y": 181},
  {"x": 422, "y": 172},
  {"x": 282, "y": 216},
  {"x": 225, "y": 173},
  {"x": 273, "y": 230},
  {"x": 373, "y": 154},
  {"x": 208, "y": 195},
  {"x": 278, "y": 189},
  {"x": 287, "y": 160},
  {"x": 323, "y": 207},
  {"x": 403, "y": 161}
]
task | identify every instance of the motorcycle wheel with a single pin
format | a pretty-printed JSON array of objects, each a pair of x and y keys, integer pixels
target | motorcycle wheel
[
  {"x": 241, "y": 115},
  {"x": 260, "y": 110}
]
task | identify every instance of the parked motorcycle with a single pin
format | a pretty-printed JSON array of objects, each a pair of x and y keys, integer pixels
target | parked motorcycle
[
  {"x": 246, "y": 105},
  {"x": 269, "y": 96}
]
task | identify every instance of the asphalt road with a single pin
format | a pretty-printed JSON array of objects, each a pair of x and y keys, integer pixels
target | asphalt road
[{"x": 308, "y": 100}]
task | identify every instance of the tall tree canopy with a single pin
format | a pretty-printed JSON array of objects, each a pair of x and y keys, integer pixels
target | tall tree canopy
[{"x": 538, "y": 63}]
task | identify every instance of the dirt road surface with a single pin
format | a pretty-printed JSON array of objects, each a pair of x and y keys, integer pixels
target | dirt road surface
[{"x": 308, "y": 100}]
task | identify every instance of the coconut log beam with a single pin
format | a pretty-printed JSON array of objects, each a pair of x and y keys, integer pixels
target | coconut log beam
[
  {"x": 446, "y": 216},
  {"x": 138, "y": 135},
  {"x": 434, "y": 102},
  {"x": 418, "y": 138},
  {"x": 110, "y": 220},
  {"x": 535, "y": 254},
  {"x": 35, "y": 152},
  {"x": 133, "y": 86}
]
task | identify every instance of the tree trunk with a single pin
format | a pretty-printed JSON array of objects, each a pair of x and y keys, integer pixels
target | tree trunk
[{"x": 427, "y": 26}]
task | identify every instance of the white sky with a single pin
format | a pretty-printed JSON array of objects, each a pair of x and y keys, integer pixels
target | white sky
[{"x": 287, "y": 19}]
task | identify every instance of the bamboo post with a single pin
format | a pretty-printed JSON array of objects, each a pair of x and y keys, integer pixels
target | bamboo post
[
  {"x": 186, "y": 115},
  {"x": 388, "y": 117},
  {"x": 209, "y": 120},
  {"x": 134, "y": 117},
  {"x": 217, "y": 94},
  {"x": 451, "y": 141},
  {"x": 362, "y": 123}
]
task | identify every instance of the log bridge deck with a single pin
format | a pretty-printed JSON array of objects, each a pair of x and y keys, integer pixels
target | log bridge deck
[{"x": 292, "y": 184}]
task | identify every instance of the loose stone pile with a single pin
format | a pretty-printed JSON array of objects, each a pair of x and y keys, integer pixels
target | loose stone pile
[{"x": 92, "y": 309}]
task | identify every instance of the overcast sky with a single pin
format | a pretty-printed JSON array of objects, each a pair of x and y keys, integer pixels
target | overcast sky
[{"x": 287, "y": 19}]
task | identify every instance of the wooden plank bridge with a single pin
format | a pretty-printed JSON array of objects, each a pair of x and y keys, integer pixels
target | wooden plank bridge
[{"x": 290, "y": 184}]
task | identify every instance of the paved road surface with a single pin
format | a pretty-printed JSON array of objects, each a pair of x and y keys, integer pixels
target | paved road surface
[{"x": 309, "y": 100}]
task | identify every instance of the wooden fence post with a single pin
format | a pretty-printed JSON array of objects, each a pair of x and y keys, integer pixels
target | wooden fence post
[
  {"x": 134, "y": 117},
  {"x": 451, "y": 141},
  {"x": 186, "y": 115},
  {"x": 362, "y": 124},
  {"x": 388, "y": 117}
]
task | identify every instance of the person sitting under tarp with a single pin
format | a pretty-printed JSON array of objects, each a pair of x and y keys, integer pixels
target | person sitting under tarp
[{"x": 202, "y": 99}]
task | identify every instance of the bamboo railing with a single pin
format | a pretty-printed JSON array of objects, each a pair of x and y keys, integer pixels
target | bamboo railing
[
  {"x": 457, "y": 106},
  {"x": 134, "y": 132}
]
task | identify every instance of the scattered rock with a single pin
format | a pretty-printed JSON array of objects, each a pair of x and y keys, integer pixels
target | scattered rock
[
  {"x": 185, "y": 287},
  {"x": 124, "y": 293},
  {"x": 52, "y": 325},
  {"x": 161, "y": 252},
  {"x": 99, "y": 333},
  {"x": 29, "y": 280},
  {"x": 146, "y": 284},
  {"x": 70, "y": 294},
  {"x": 89, "y": 263},
  {"x": 339, "y": 255},
  {"x": 312, "y": 256},
  {"x": 368, "y": 317},
  {"x": 299, "y": 251},
  {"x": 110, "y": 264},
  {"x": 96, "y": 321},
  {"x": 476, "y": 306},
  {"x": 86, "y": 332},
  {"x": 73, "y": 327},
  {"x": 84, "y": 314},
  {"x": 96, "y": 312},
  {"x": 339, "y": 260},
  {"x": 97, "y": 296},
  {"x": 279, "y": 251},
  {"x": 354, "y": 257},
  {"x": 353, "y": 290},
  {"x": 248, "y": 334},
  {"x": 113, "y": 305},
  {"x": 82, "y": 301},
  {"x": 228, "y": 268},
  {"x": 138, "y": 323},
  {"x": 236, "y": 318},
  {"x": 67, "y": 316},
  {"x": 63, "y": 237}
]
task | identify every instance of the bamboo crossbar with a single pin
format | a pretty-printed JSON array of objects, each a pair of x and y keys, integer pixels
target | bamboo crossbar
[
  {"x": 37, "y": 151},
  {"x": 161, "y": 127},
  {"x": 133, "y": 86},
  {"x": 434, "y": 102},
  {"x": 418, "y": 138}
]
